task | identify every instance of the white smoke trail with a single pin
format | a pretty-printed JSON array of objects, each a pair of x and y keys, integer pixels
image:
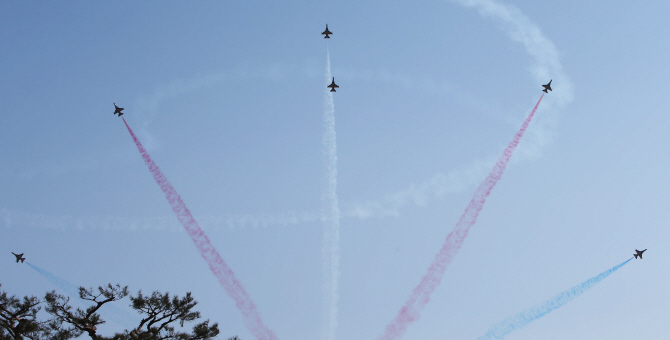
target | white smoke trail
[
  {"x": 546, "y": 65},
  {"x": 330, "y": 216},
  {"x": 20, "y": 219},
  {"x": 436, "y": 188}
]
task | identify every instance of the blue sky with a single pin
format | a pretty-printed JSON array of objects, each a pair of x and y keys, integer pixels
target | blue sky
[{"x": 229, "y": 99}]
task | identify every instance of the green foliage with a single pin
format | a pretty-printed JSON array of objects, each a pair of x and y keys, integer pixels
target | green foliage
[
  {"x": 68, "y": 323},
  {"x": 160, "y": 313},
  {"x": 18, "y": 318}
]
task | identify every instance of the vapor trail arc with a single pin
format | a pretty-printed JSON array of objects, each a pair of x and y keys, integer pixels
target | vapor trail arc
[
  {"x": 522, "y": 319},
  {"x": 421, "y": 293},
  {"x": 217, "y": 265},
  {"x": 330, "y": 215}
]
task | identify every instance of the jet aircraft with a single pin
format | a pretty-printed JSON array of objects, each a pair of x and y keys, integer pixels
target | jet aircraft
[
  {"x": 547, "y": 87},
  {"x": 19, "y": 257},
  {"x": 326, "y": 32},
  {"x": 639, "y": 253},
  {"x": 118, "y": 110},
  {"x": 333, "y": 86}
]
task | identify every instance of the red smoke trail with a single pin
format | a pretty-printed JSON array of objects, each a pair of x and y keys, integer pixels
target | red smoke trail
[
  {"x": 216, "y": 264},
  {"x": 421, "y": 293}
]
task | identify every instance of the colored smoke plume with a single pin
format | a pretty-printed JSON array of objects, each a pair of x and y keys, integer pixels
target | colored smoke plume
[
  {"x": 69, "y": 288},
  {"x": 524, "y": 318},
  {"x": 112, "y": 312},
  {"x": 216, "y": 264},
  {"x": 421, "y": 293}
]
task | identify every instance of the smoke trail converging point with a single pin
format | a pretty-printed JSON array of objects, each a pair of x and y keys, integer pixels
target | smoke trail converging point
[
  {"x": 330, "y": 216},
  {"x": 421, "y": 293},
  {"x": 524, "y": 318},
  {"x": 217, "y": 265}
]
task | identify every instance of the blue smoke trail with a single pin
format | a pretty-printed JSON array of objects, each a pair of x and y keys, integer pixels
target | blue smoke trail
[
  {"x": 67, "y": 287},
  {"x": 522, "y": 319},
  {"x": 116, "y": 315}
]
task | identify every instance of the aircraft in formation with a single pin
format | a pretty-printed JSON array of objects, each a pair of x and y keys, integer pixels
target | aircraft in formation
[
  {"x": 327, "y": 32},
  {"x": 333, "y": 86},
  {"x": 118, "y": 110},
  {"x": 547, "y": 87},
  {"x": 639, "y": 253},
  {"x": 19, "y": 257}
]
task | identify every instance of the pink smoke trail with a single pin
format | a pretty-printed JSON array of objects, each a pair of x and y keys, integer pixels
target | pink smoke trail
[
  {"x": 421, "y": 293},
  {"x": 219, "y": 268}
]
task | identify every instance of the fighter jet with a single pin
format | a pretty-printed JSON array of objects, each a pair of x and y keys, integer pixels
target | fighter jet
[
  {"x": 19, "y": 257},
  {"x": 547, "y": 87},
  {"x": 639, "y": 253},
  {"x": 118, "y": 110},
  {"x": 333, "y": 86},
  {"x": 326, "y": 32}
]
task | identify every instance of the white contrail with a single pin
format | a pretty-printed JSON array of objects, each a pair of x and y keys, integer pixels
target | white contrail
[
  {"x": 436, "y": 188},
  {"x": 21, "y": 219},
  {"x": 146, "y": 106},
  {"x": 330, "y": 216},
  {"x": 546, "y": 65}
]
